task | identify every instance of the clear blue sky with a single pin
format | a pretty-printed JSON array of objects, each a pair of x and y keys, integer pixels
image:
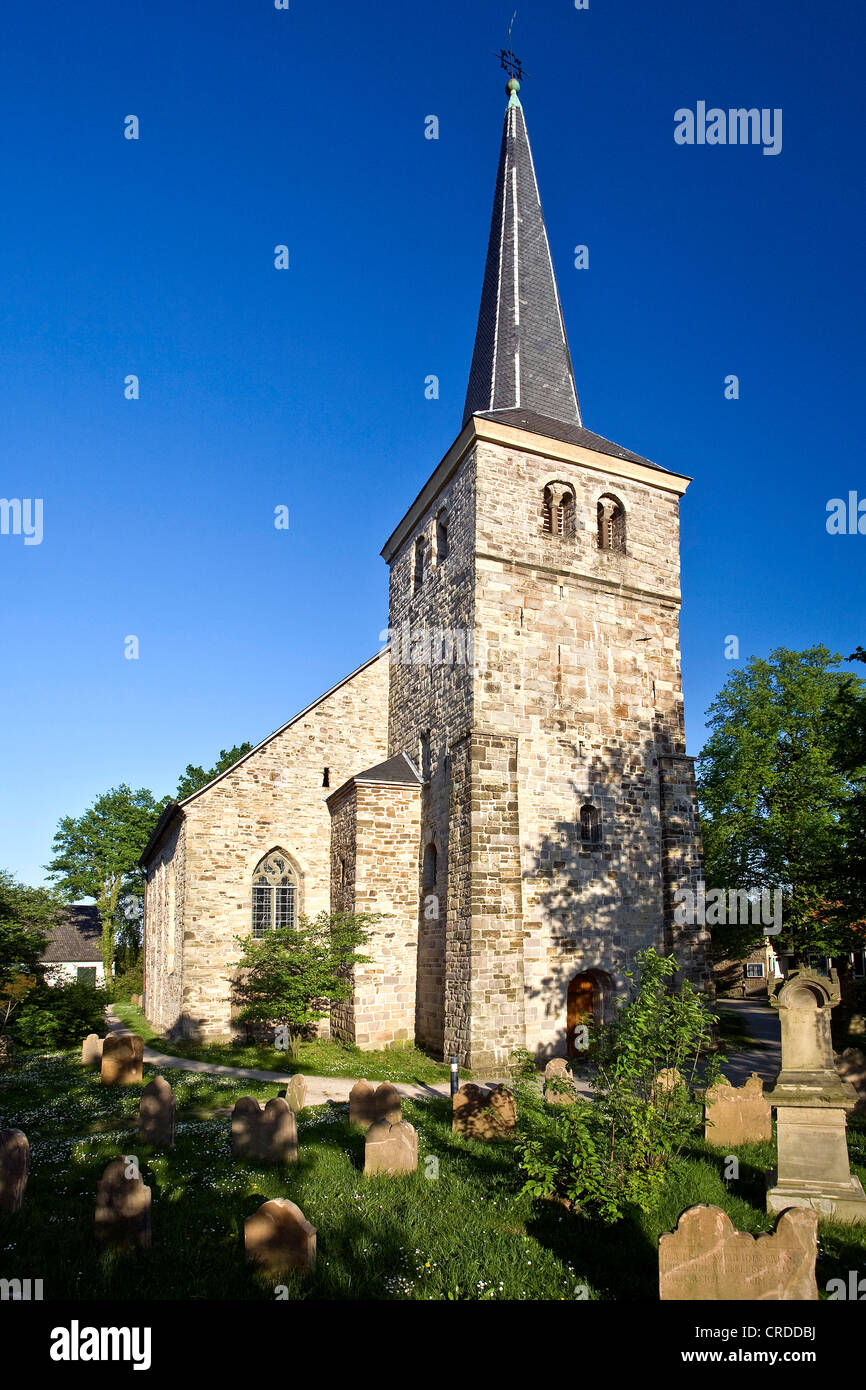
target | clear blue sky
[{"x": 306, "y": 387}]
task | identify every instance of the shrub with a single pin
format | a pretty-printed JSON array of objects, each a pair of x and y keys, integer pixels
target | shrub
[
  {"x": 603, "y": 1155},
  {"x": 60, "y": 1015}
]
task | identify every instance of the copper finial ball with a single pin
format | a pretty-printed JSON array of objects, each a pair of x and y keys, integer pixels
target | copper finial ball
[{"x": 512, "y": 86}]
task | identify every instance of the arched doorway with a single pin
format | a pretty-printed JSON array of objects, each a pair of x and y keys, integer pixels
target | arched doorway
[{"x": 586, "y": 1003}]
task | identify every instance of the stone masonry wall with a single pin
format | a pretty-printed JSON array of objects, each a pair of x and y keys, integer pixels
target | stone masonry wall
[
  {"x": 377, "y": 828},
  {"x": 431, "y": 690},
  {"x": 163, "y": 929},
  {"x": 273, "y": 798}
]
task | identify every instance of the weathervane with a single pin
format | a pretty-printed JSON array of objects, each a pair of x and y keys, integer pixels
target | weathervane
[{"x": 508, "y": 59}]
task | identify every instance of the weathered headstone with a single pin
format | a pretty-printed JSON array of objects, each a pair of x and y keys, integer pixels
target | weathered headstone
[
  {"x": 91, "y": 1050},
  {"x": 156, "y": 1114},
  {"x": 387, "y": 1104},
  {"x": 268, "y": 1135},
  {"x": 361, "y": 1104},
  {"x": 14, "y": 1169},
  {"x": 811, "y": 1101},
  {"x": 122, "y": 1057},
  {"x": 278, "y": 1236},
  {"x": 737, "y": 1114},
  {"x": 296, "y": 1092},
  {"x": 558, "y": 1083},
  {"x": 706, "y": 1258},
  {"x": 668, "y": 1079},
  {"x": 123, "y": 1204},
  {"x": 482, "y": 1112},
  {"x": 390, "y": 1148}
]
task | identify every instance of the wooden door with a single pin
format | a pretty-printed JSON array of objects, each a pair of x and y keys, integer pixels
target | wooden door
[{"x": 581, "y": 1000}]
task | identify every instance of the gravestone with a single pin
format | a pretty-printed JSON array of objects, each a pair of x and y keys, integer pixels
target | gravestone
[
  {"x": 387, "y": 1104},
  {"x": 737, "y": 1114},
  {"x": 296, "y": 1092},
  {"x": 707, "y": 1258},
  {"x": 482, "y": 1112},
  {"x": 91, "y": 1050},
  {"x": 390, "y": 1148},
  {"x": 14, "y": 1169},
  {"x": 811, "y": 1102},
  {"x": 156, "y": 1114},
  {"x": 268, "y": 1135},
  {"x": 558, "y": 1083},
  {"x": 122, "y": 1057},
  {"x": 368, "y": 1104},
  {"x": 278, "y": 1236},
  {"x": 361, "y": 1108},
  {"x": 668, "y": 1079},
  {"x": 123, "y": 1205}
]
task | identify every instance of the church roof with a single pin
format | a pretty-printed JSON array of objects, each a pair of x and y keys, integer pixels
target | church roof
[
  {"x": 521, "y": 358},
  {"x": 397, "y": 769}
]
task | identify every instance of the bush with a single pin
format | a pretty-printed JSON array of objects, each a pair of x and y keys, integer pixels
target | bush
[
  {"x": 60, "y": 1015},
  {"x": 128, "y": 982},
  {"x": 603, "y": 1155}
]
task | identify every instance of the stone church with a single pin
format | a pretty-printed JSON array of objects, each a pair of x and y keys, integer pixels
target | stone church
[{"x": 506, "y": 781}]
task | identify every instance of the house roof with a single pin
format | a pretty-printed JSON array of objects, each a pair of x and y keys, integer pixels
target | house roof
[
  {"x": 399, "y": 769},
  {"x": 77, "y": 935}
]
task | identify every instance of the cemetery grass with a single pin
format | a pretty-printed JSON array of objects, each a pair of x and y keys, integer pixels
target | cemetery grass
[
  {"x": 318, "y": 1057},
  {"x": 466, "y": 1235}
]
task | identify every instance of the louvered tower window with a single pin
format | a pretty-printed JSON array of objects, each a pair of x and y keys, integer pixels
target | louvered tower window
[{"x": 611, "y": 524}]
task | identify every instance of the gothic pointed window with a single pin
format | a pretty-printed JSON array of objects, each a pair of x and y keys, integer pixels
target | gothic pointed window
[
  {"x": 611, "y": 524},
  {"x": 557, "y": 510},
  {"x": 274, "y": 894},
  {"x": 590, "y": 825}
]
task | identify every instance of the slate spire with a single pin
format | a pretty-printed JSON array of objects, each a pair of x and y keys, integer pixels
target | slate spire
[{"x": 521, "y": 359}]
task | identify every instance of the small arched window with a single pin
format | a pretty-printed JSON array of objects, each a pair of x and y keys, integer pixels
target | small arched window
[
  {"x": 557, "y": 510},
  {"x": 611, "y": 524},
  {"x": 274, "y": 894},
  {"x": 590, "y": 825},
  {"x": 420, "y": 547},
  {"x": 441, "y": 538},
  {"x": 428, "y": 870}
]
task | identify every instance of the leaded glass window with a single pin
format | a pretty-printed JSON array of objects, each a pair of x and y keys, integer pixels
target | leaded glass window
[{"x": 274, "y": 894}]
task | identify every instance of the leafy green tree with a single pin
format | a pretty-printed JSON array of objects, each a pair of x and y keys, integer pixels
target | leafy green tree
[
  {"x": 292, "y": 975},
  {"x": 96, "y": 855},
  {"x": 194, "y": 778},
  {"x": 776, "y": 796},
  {"x": 26, "y": 916}
]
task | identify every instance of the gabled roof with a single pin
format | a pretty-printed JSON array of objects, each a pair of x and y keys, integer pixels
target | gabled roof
[
  {"x": 175, "y": 806},
  {"x": 76, "y": 937},
  {"x": 397, "y": 769},
  {"x": 521, "y": 358}
]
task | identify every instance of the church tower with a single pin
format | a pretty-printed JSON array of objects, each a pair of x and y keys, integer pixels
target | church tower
[{"x": 535, "y": 683}]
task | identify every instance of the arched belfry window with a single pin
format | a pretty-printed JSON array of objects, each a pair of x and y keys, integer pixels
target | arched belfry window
[
  {"x": 420, "y": 548},
  {"x": 557, "y": 510},
  {"x": 611, "y": 524},
  {"x": 590, "y": 825},
  {"x": 275, "y": 894},
  {"x": 441, "y": 538}
]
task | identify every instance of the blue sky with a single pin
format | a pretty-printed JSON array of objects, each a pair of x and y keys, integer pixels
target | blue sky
[{"x": 305, "y": 388}]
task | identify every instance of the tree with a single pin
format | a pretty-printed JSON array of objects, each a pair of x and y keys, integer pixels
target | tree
[
  {"x": 292, "y": 975},
  {"x": 97, "y": 853},
  {"x": 194, "y": 778},
  {"x": 26, "y": 915},
  {"x": 777, "y": 796}
]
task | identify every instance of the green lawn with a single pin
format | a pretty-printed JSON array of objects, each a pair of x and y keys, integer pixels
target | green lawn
[
  {"x": 320, "y": 1057},
  {"x": 466, "y": 1234}
]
